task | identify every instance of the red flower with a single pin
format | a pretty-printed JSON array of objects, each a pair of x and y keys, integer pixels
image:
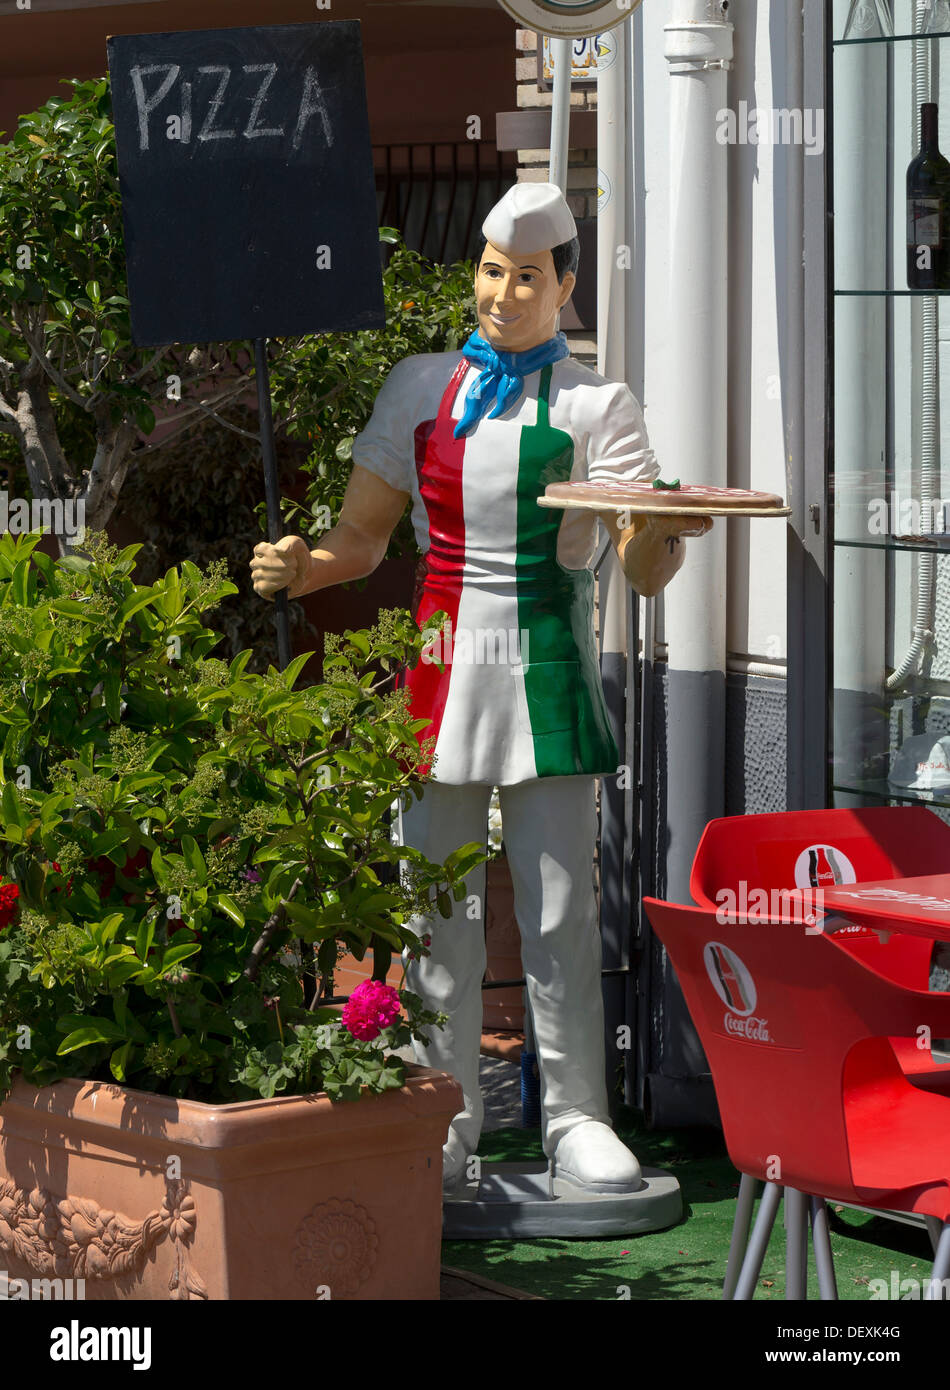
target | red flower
[
  {"x": 370, "y": 1008},
  {"x": 106, "y": 870},
  {"x": 58, "y": 870},
  {"x": 9, "y": 893}
]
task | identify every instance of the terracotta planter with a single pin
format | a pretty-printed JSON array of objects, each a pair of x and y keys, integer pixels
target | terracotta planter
[
  {"x": 502, "y": 1008},
  {"x": 147, "y": 1197}
]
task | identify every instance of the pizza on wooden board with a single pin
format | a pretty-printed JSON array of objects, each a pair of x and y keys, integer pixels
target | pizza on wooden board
[{"x": 666, "y": 499}]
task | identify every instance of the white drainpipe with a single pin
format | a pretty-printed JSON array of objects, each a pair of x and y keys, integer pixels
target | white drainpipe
[
  {"x": 699, "y": 50},
  {"x": 612, "y": 232}
]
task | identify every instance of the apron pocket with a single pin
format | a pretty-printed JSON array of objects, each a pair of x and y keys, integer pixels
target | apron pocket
[{"x": 552, "y": 690}]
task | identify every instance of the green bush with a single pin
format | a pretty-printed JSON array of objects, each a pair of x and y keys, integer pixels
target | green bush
[{"x": 187, "y": 847}]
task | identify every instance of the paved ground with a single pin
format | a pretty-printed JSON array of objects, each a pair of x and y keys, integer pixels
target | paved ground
[{"x": 501, "y": 1091}]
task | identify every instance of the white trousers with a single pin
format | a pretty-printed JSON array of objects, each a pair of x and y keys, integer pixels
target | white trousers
[{"x": 550, "y": 828}]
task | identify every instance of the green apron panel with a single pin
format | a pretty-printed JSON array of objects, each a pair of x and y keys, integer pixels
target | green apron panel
[{"x": 565, "y": 698}]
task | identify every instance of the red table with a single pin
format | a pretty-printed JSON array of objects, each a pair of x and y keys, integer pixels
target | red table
[{"x": 918, "y": 906}]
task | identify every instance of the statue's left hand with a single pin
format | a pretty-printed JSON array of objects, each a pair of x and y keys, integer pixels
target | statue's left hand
[{"x": 651, "y": 550}]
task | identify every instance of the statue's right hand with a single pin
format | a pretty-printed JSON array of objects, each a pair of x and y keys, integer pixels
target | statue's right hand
[{"x": 281, "y": 566}]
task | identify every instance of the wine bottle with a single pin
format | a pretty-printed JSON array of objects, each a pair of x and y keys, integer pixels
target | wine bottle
[{"x": 928, "y": 210}]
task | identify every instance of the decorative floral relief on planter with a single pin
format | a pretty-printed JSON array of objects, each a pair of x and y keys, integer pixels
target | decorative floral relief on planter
[
  {"x": 73, "y": 1237},
  {"x": 336, "y": 1248}
]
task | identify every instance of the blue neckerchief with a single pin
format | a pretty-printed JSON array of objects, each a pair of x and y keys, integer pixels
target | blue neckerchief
[{"x": 502, "y": 376}]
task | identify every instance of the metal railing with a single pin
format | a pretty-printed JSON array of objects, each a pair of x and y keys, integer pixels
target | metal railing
[{"x": 438, "y": 194}]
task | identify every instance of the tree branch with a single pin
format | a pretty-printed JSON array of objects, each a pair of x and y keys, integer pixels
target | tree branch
[
  {"x": 182, "y": 422},
  {"x": 100, "y": 492},
  {"x": 273, "y": 924},
  {"x": 248, "y": 434},
  {"x": 156, "y": 357},
  {"x": 43, "y": 361}
]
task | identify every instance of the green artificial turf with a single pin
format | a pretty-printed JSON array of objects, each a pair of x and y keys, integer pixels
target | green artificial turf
[{"x": 689, "y": 1260}]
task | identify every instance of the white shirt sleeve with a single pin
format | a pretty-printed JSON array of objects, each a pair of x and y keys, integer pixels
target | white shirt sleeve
[
  {"x": 385, "y": 447},
  {"x": 612, "y": 446},
  {"x": 618, "y": 448}
]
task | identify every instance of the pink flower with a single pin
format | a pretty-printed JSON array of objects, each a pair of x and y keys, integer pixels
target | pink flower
[{"x": 370, "y": 1008}]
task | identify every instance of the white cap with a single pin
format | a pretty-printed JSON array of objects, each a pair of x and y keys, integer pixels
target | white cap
[
  {"x": 923, "y": 762},
  {"x": 530, "y": 217}
]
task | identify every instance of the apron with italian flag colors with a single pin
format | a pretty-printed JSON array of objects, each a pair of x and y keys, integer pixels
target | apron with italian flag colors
[{"x": 519, "y": 696}]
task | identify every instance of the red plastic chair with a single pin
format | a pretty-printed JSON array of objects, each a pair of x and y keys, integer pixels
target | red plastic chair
[
  {"x": 798, "y": 1034},
  {"x": 874, "y": 842},
  {"x": 878, "y": 841}
]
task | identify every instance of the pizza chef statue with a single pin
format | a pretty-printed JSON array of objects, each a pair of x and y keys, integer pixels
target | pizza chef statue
[{"x": 470, "y": 440}]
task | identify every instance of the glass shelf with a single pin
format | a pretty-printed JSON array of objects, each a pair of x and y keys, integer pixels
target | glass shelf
[
  {"x": 940, "y": 545},
  {"x": 880, "y": 787},
  {"x": 894, "y": 294},
  {"x": 889, "y": 38}
]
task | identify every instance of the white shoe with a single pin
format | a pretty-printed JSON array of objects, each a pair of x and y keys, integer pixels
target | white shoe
[
  {"x": 454, "y": 1161},
  {"x": 591, "y": 1156}
]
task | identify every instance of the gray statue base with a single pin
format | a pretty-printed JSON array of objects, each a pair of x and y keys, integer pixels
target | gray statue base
[{"x": 514, "y": 1201}]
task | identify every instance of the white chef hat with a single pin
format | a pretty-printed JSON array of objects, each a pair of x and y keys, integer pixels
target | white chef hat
[{"x": 530, "y": 217}]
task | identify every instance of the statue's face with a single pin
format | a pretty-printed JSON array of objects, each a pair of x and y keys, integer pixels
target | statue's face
[{"x": 518, "y": 298}]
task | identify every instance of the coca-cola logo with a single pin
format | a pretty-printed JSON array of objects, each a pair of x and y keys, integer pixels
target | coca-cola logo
[
  {"x": 823, "y": 866},
  {"x": 755, "y": 1029},
  {"x": 730, "y": 978}
]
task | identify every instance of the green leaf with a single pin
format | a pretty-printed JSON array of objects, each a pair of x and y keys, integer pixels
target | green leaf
[
  {"x": 120, "y": 1060},
  {"x": 72, "y": 608},
  {"x": 230, "y": 907},
  {"x": 19, "y": 584},
  {"x": 111, "y": 686},
  {"x": 144, "y": 417},
  {"x": 305, "y": 916},
  {"x": 292, "y": 671},
  {"x": 102, "y": 1031},
  {"x": 138, "y": 600},
  {"x": 13, "y": 813},
  {"x": 144, "y": 938},
  {"x": 175, "y": 955},
  {"x": 194, "y": 858},
  {"x": 76, "y": 564}
]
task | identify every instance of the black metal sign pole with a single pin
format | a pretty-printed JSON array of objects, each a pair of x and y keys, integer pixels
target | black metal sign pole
[{"x": 271, "y": 490}]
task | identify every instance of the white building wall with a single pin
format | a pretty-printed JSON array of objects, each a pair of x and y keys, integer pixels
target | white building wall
[{"x": 757, "y": 372}]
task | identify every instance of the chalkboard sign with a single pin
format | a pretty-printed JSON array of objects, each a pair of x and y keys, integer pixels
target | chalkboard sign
[{"x": 246, "y": 174}]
